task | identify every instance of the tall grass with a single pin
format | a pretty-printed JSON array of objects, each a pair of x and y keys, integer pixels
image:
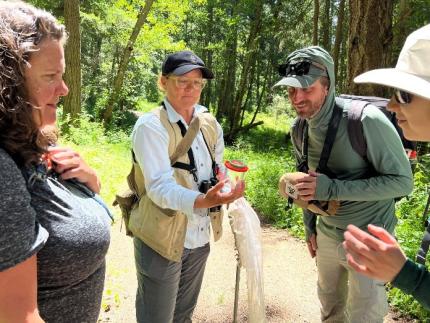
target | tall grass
[{"x": 108, "y": 153}]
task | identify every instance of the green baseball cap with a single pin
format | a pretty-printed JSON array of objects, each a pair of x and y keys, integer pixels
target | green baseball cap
[{"x": 304, "y": 66}]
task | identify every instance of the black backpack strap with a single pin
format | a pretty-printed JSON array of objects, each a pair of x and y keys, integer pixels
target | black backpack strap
[
  {"x": 355, "y": 127},
  {"x": 425, "y": 244},
  {"x": 300, "y": 142},
  {"x": 333, "y": 126},
  {"x": 299, "y": 137}
]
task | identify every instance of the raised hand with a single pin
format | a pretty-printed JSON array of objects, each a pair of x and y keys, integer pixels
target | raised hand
[
  {"x": 215, "y": 197},
  {"x": 378, "y": 256},
  {"x": 69, "y": 164}
]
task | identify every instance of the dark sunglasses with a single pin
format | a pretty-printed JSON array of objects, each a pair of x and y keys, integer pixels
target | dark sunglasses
[
  {"x": 301, "y": 68},
  {"x": 402, "y": 97}
]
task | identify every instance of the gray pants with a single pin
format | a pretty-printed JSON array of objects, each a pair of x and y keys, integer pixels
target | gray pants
[
  {"x": 167, "y": 291},
  {"x": 345, "y": 295}
]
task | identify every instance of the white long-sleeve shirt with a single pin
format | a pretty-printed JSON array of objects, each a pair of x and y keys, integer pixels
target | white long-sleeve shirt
[{"x": 150, "y": 142}]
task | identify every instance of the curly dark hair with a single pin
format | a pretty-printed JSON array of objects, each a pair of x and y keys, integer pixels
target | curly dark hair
[{"x": 22, "y": 28}]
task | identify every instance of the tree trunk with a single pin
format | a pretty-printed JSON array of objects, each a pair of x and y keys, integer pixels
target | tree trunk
[
  {"x": 207, "y": 94},
  {"x": 249, "y": 92},
  {"x": 227, "y": 86},
  {"x": 251, "y": 46},
  {"x": 339, "y": 37},
  {"x": 93, "y": 94},
  {"x": 402, "y": 31},
  {"x": 119, "y": 78},
  {"x": 343, "y": 59},
  {"x": 228, "y": 83},
  {"x": 72, "y": 77},
  {"x": 260, "y": 96},
  {"x": 326, "y": 26},
  {"x": 315, "y": 21},
  {"x": 370, "y": 37}
]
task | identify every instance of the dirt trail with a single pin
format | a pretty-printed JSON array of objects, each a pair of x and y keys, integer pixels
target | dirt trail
[{"x": 289, "y": 281}]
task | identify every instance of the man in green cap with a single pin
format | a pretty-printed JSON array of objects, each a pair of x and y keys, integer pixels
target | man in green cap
[{"x": 365, "y": 187}]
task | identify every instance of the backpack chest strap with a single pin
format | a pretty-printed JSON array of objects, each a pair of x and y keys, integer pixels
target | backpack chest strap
[{"x": 300, "y": 141}]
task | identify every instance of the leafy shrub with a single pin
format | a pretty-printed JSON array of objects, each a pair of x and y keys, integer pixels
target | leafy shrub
[
  {"x": 87, "y": 132},
  {"x": 268, "y": 156}
]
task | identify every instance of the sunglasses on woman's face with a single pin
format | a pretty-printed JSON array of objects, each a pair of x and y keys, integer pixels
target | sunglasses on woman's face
[{"x": 402, "y": 97}]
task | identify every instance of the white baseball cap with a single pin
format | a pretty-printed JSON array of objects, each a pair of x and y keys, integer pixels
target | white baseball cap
[{"x": 412, "y": 72}]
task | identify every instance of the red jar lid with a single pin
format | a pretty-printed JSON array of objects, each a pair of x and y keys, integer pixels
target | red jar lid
[{"x": 236, "y": 165}]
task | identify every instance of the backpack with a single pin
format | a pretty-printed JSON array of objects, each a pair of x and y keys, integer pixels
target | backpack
[{"x": 355, "y": 129}]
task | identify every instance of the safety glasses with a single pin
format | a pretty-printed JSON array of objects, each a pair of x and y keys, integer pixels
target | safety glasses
[
  {"x": 186, "y": 82},
  {"x": 301, "y": 68},
  {"x": 402, "y": 97}
]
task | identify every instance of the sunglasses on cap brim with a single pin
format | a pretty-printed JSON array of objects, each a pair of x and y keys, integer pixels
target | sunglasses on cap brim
[
  {"x": 402, "y": 97},
  {"x": 301, "y": 68}
]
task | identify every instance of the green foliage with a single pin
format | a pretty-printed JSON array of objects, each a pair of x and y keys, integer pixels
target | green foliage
[
  {"x": 106, "y": 28},
  {"x": 107, "y": 152},
  {"x": 281, "y": 108},
  {"x": 268, "y": 155}
]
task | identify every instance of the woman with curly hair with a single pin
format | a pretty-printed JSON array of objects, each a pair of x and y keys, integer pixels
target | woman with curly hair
[{"x": 54, "y": 229}]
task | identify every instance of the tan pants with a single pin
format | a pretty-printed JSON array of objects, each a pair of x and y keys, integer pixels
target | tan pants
[{"x": 345, "y": 295}]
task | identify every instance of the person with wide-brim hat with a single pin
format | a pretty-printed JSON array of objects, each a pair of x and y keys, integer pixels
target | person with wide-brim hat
[{"x": 380, "y": 256}]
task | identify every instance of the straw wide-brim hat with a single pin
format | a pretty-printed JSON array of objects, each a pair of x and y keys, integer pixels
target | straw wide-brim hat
[{"x": 412, "y": 72}]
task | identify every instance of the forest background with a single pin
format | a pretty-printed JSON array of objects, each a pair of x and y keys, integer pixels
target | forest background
[{"x": 114, "y": 56}]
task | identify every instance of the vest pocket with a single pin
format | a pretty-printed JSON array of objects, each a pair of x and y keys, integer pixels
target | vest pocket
[{"x": 161, "y": 229}]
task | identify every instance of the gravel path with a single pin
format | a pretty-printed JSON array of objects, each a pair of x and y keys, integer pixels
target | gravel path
[{"x": 289, "y": 281}]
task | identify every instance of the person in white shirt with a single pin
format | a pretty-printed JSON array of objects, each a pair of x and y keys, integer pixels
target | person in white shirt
[{"x": 168, "y": 289}]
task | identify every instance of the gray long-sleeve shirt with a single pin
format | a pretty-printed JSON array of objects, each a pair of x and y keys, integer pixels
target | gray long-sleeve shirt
[{"x": 363, "y": 200}]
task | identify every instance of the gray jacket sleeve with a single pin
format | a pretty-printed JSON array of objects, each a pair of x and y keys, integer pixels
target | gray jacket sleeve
[
  {"x": 310, "y": 222},
  {"x": 21, "y": 236}
]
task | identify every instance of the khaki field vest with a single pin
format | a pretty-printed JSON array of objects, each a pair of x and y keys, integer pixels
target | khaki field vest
[{"x": 164, "y": 230}]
